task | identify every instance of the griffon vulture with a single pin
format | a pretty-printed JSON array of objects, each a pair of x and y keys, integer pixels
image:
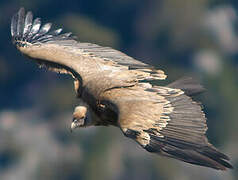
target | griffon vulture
[{"x": 115, "y": 89}]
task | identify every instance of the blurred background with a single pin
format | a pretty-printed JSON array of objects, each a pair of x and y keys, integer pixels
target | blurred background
[{"x": 182, "y": 37}]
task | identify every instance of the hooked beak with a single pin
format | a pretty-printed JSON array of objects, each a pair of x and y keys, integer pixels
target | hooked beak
[
  {"x": 72, "y": 127},
  {"x": 76, "y": 123}
]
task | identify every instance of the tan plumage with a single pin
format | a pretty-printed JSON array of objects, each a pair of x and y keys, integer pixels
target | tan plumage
[{"x": 115, "y": 89}]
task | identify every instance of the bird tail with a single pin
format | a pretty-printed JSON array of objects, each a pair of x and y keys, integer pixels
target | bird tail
[{"x": 189, "y": 85}]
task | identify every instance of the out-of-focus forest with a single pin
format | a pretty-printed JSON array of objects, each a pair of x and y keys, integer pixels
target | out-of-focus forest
[{"x": 182, "y": 37}]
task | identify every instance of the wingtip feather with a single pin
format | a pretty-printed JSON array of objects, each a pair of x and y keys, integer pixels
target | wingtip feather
[
  {"x": 28, "y": 23},
  {"x": 14, "y": 25},
  {"x": 203, "y": 156},
  {"x": 20, "y": 21},
  {"x": 26, "y": 30},
  {"x": 189, "y": 85}
]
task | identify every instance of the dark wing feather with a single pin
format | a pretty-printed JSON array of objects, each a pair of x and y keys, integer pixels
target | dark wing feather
[
  {"x": 43, "y": 30},
  {"x": 160, "y": 119},
  {"x": 189, "y": 85},
  {"x": 20, "y": 22},
  {"x": 61, "y": 52},
  {"x": 166, "y": 121},
  {"x": 14, "y": 25},
  {"x": 35, "y": 27},
  {"x": 203, "y": 155},
  {"x": 28, "y": 24}
]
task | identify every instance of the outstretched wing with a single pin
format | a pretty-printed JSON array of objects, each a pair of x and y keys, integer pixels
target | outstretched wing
[
  {"x": 166, "y": 121},
  {"x": 99, "y": 68},
  {"x": 160, "y": 119}
]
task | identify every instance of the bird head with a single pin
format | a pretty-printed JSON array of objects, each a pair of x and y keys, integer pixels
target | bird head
[{"x": 80, "y": 117}]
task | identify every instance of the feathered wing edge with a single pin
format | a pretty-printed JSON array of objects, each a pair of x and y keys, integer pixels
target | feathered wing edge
[
  {"x": 184, "y": 136},
  {"x": 186, "y": 141},
  {"x": 189, "y": 85},
  {"x": 26, "y": 30},
  {"x": 182, "y": 130}
]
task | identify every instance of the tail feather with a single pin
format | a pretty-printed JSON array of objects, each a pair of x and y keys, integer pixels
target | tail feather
[{"x": 189, "y": 85}]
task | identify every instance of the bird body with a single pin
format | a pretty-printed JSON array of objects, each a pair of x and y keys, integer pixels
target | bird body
[{"x": 115, "y": 89}]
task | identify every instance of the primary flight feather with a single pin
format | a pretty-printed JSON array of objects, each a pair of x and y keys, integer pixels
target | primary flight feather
[{"x": 115, "y": 89}]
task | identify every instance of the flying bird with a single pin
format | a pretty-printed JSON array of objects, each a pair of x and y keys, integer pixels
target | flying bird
[{"x": 115, "y": 89}]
